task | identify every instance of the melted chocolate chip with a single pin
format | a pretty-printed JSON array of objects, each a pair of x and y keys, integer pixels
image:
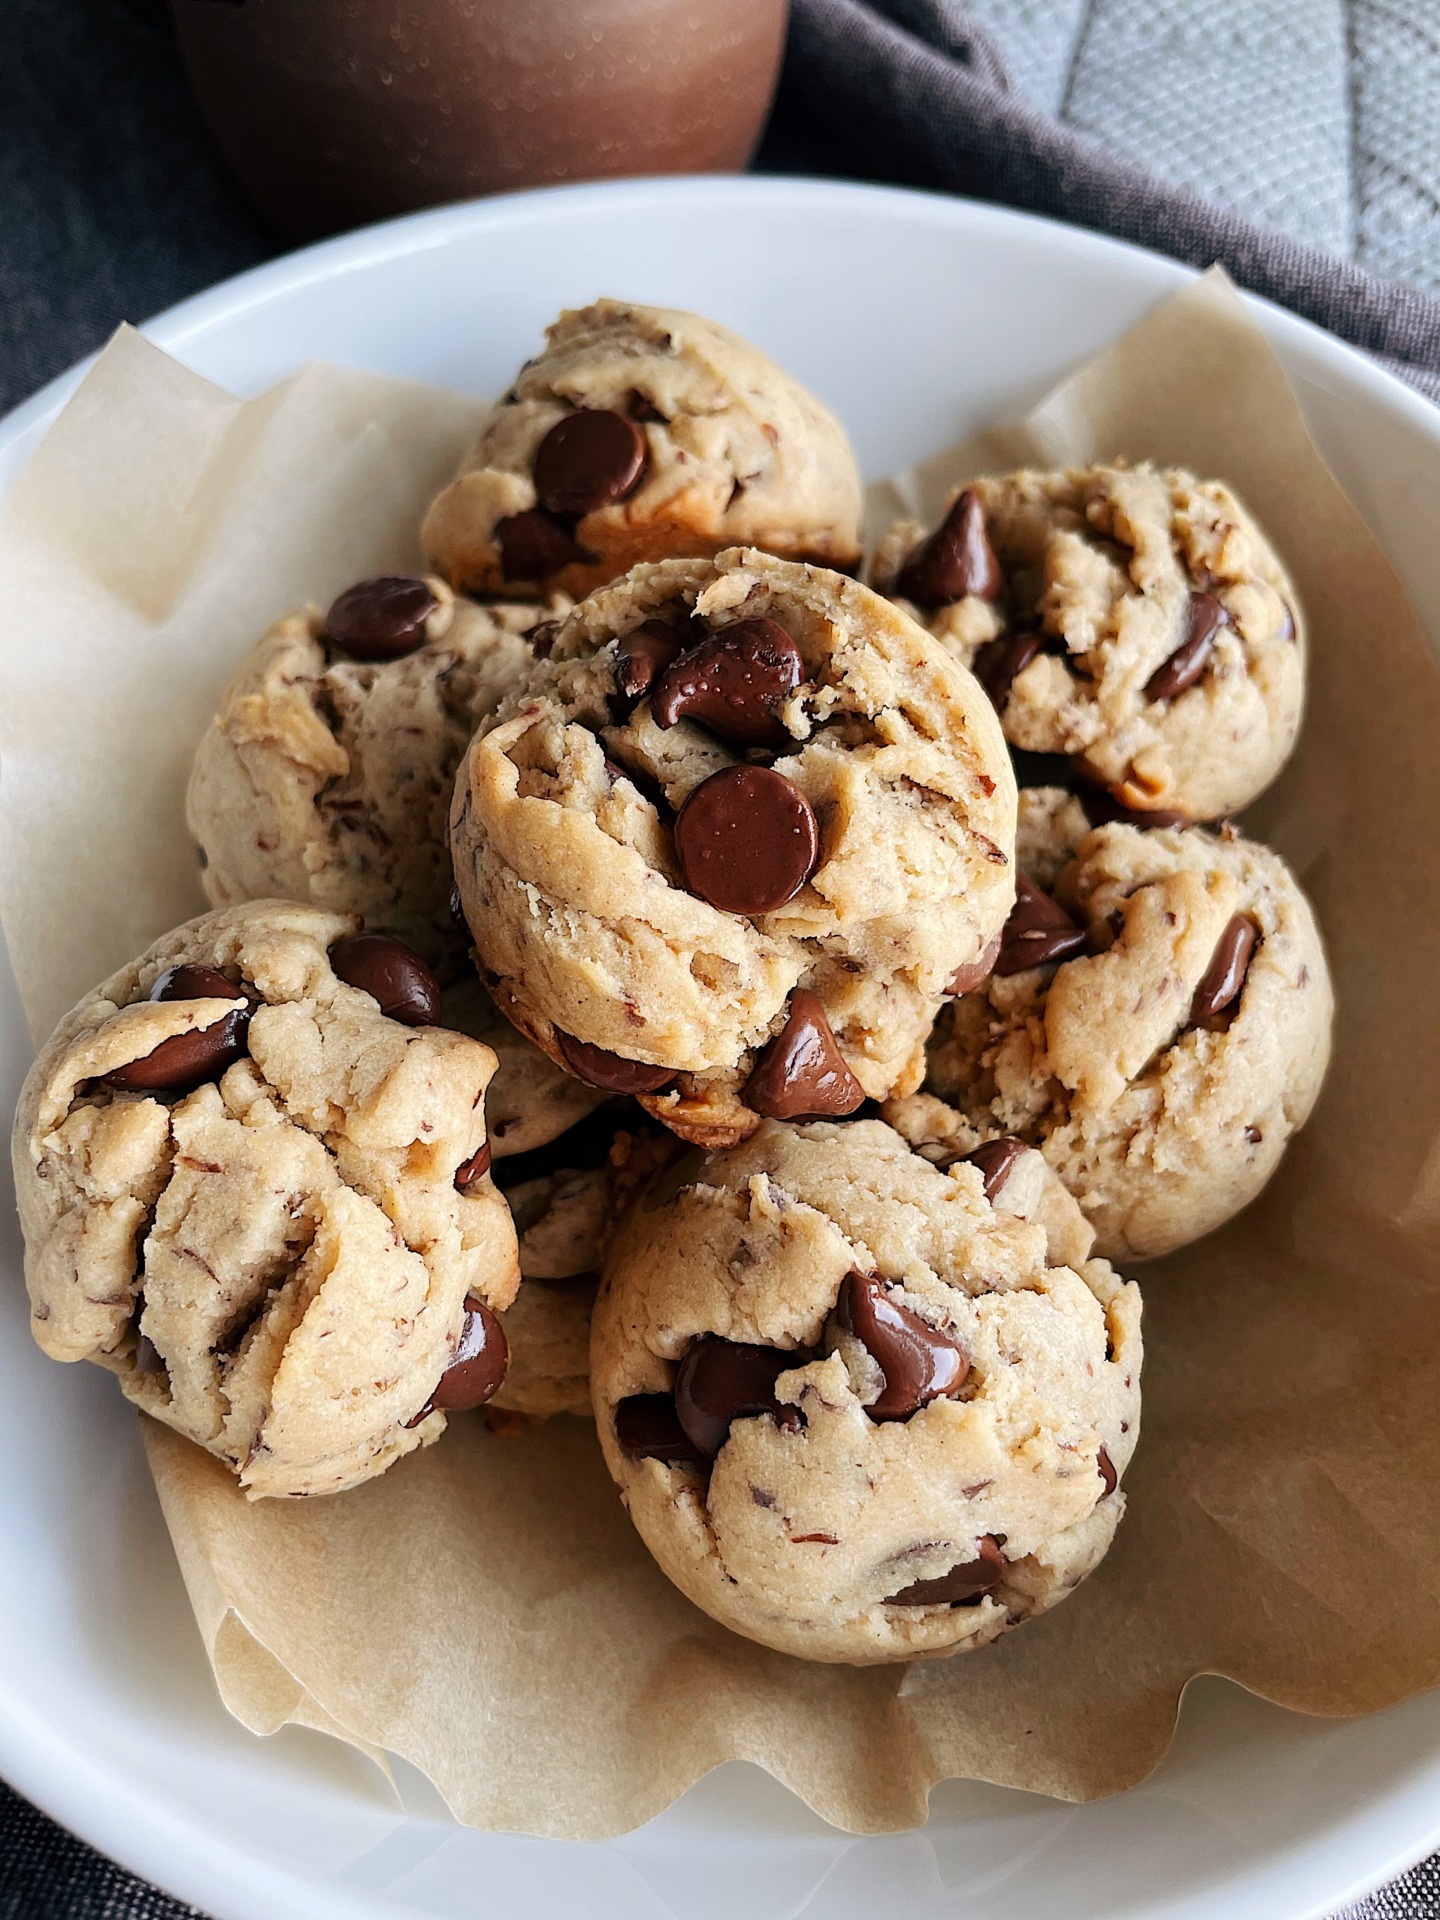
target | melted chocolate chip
[
  {"x": 641, "y": 655},
  {"x": 472, "y": 1171},
  {"x": 955, "y": 561},
  {"x": 721, "y": 1380},
  {"x": 648, "y": 1428},
  {"x": 999, "y": 663},
  {"x": 380, "y": 619},
  {"x": 587, "y": 460},
  {"x": 995, "y": 1158},
  {"x": 1037, "y": 932},
  {"x": 967, "y": 978},
  {"x": 1108, "y": 1476},
  {"x": 187, "y": 1060},
  {"x": 394, "y": 976},
  {"x": 919, "y": 1364},
  {"x": 1192, "y": 656},
  {"x": 612, "y": 1071},
  {"x": 734, "y": 683},
  {"x": 476, "y": 1370},
  {"x": 194, "y": 983},
  {"x": 747, "y": 840},
  {"x": 1217, "y": 998},
  {"x": 968, "y": 1582},
  {"x": 801, "y": 1074},
  {"x": 534, "y": 545}
]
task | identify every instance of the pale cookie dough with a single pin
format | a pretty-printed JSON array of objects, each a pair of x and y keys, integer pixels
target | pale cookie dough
[
  {"x": 277, "y": 1264},
  {"x": 563, "y": 833},
  {"x": 1161, "y": 1126},
  {"x": 327, "y": 778},
  {"x": 727, "y": 450},
  {"x": 819, "y": 1510},
  {"x": 1113, "y": 569}
]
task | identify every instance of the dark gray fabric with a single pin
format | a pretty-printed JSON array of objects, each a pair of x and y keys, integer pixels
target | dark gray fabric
[{"x": 47, "y": 1874}]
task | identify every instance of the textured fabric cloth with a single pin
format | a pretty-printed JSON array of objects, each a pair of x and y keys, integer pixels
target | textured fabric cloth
[{"x": 1297, "y": 141}]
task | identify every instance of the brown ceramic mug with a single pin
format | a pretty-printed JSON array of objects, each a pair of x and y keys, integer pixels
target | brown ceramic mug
[{"x": 336, "y": 112}]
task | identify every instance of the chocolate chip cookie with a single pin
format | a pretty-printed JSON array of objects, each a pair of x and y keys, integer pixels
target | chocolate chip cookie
[
  {"x": 853, "y": 1409},
  {"x": 640, "y": 433},
  {"x": 733, "y": 841},
  {"x": 1134, "y": 619},
  {"x": 252, "y": 1176}
]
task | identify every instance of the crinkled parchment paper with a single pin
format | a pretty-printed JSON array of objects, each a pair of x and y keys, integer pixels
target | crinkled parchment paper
[{"x": 484, "y": 1609}]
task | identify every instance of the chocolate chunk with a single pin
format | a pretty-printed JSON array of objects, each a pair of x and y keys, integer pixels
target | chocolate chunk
[
  {"x": 801, "y": 1074},
  {"x": 1192, "y": 656},
  {"x": 968, "y": 1582},
  {"x": 392, "y": 974},
  {"x": 648, "y": 1428},
  {"x": 720, "y": 1380},
  {"x": 472, "y": 1171},
  {"x": 534, "y": 544},
  {"x": 380, "y": 619},
  {"x": 746, "y": 840},
  {"x": 976, "y": 972},
  {"x": 734, "y": 683},
  {"x": 187, "y": 1060},
  {"x": 1037, "y": 932},
  {"x": 999, "y": 663},
  {"x": 956, "y": 560},
  {"x": 995, "y": 1158},
  {"x": 476, "y": 1370},
  {"x": 641, "y": 655},
  {"x": 1217, "y": 998},
  {"x": 919, "y": 1364},
  {"x": 612, "y": 1071},
  {"x": 1108, "y": 1476},
  {"x": 588, "y": 460},
  {"x": 1101, "y": 807}
]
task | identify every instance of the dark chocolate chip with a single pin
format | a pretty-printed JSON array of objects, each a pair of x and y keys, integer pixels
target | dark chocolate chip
[
  {"x": 1217, "y": 998},
  {"x": 612, "y": 1071},
  {"x": 1192, "y": 656},
  {"x": 472, "y": 1171},
  {"x": 542, "y": 638},
  {"x": 187, "y": 1060},
  {"x": 999, "y": 663},
  {"x": 968, "y": 1582},
  {"x": 380, "y": 619},
  {"x": 801, "y": 1074},
  {"x": 720, "y": 1380},
  {"x": 734, "y": 683},
  {"x": 476, "y": 1370},
  {"x": 648, "y": 1428},
  {"x": 587, "y": 460},
  {"x": 995, "y": 1158},
  {"x": 919, "y": 1364},
  {"x": 1108, "y": 1476},
  {"x": 746, "y": 840},
  {"x": 955, "y": 561},
  {"x": 534, "y": 545},
  {"x": 194, "y": 983},
  {"x": 1037, "y": 932},
  {"x": 1101, "y": 807},
  {"x": 392, "y": 974},
  {"x": 976, "y": 972},
  {"x": 641, "y": 655}
]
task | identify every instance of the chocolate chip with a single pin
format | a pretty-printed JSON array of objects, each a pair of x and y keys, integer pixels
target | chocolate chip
[
  {"x": 976, "y": 972},
  {"x": 955, "y": 561},
  {"x": 392, "y": 974},
  {"x": 641, "y": 655},
  {"x": 648, "y": 1428},
  {"x": 734, "y": 683},
  {"x": 995, "y": 1158},
  {"x": 612, "y": 1071},
  {"x": 919, "y": 1364},
  {"x": 542, "y": 638},
  {"x": 380, "y": 619},
  {"x": 747, "y": 840},
  {"x": 1217, "y": 998},
  {"x": 534, "y": 545},
  {"x": 1108, "y": 1476},
  {"x": 587, "y": 460},
  {"x": 1101, "y": 807},
  {"x": 968, "y": 1582},
  {"x": 801, "y": 1074},
  {"x": 1037, "y": 932},
  {"x": 472, "y": 1171},
  {"x": 476, "y": 1370},
  {"x": 999, "y": 663},
  {"x": 187, "y": 1060},
  {"x": 1192, "y": 656},
  {"x": 721, "y": 1380}
]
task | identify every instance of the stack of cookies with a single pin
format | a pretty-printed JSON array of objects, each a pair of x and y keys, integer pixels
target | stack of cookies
[{"x": 653, "y": 974}]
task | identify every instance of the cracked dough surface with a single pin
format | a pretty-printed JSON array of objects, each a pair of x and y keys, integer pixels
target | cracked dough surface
[
  {"x": 754, "y": 1249},
  {"x": 568, "y": 875},
  {"x": 289, "y": 1240},
  {"x": 739, "y": 453},
  {"x": 1103, "y": 560}
]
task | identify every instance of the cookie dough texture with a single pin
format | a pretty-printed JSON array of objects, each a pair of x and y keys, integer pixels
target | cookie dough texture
[
  {"x": 798, "y": 1538},
  {"x": 1103, "y": 561},
  {"x": 1161, "y": 1129},
  {"x": 567, "y": 871},
  {"x": 736, "y": 452},
  {"x": 327, "y": 779},
  {"x": 288, "y": 1241}
]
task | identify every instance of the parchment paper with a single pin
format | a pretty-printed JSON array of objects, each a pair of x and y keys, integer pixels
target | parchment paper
[{"x": 484, "y": 1609}]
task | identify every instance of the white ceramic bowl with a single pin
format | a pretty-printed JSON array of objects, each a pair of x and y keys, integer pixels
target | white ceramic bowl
[{"x": 919, "y": 319}]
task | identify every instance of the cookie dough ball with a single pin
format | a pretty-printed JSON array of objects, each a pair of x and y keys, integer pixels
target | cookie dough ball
[
  {"x": 250, "y": 1174},
  {"x": 638, "y": 434},
  {"x": 855, "y": 1412},
  {"x": 326, "y": 774},
  {"x": 1134, "y": 619},
  {"x": 729, "y": 846},
  {"x": 1158, "y": 1028}
]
